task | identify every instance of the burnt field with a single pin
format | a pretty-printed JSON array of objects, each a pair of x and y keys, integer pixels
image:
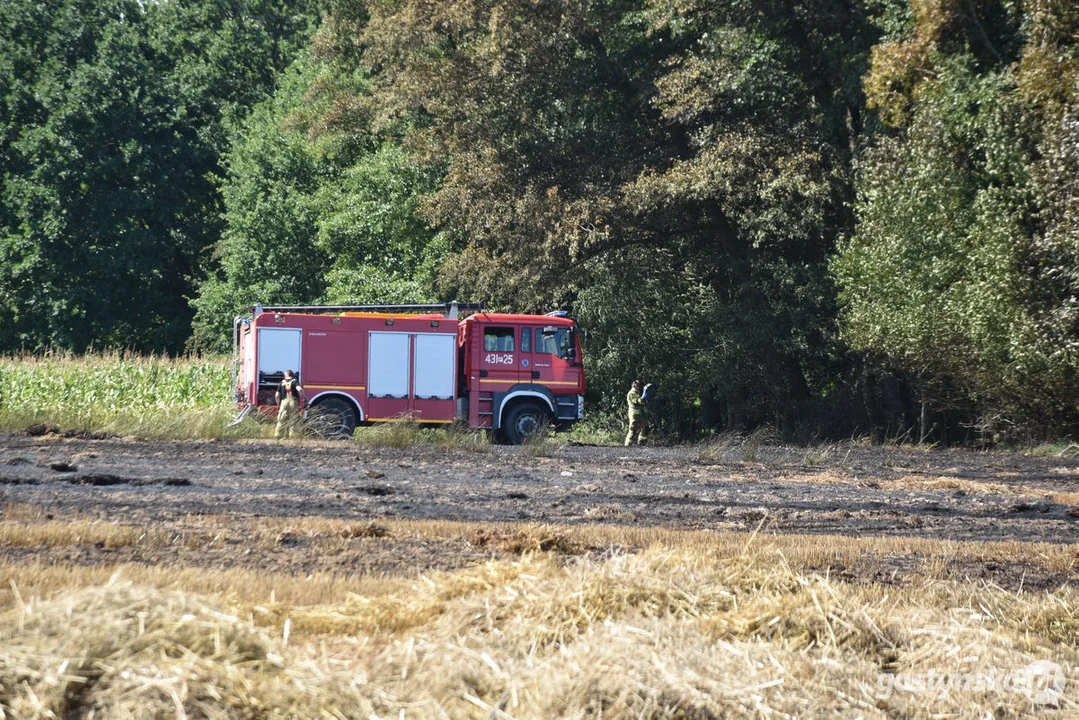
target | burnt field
[
  {"x": 451, "y": 579},
  {"x": 826, "y": 491}
]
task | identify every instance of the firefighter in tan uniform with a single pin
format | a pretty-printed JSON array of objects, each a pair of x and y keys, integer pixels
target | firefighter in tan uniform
[
  {"x": 288, "y": 396},
  {"x": 636, "y": 413}
]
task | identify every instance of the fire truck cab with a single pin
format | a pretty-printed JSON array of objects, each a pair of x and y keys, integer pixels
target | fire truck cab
[{"x": 512, "y": 374}]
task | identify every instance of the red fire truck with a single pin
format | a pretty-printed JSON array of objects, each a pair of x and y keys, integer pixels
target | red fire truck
[{"x": 360, "y": 364}]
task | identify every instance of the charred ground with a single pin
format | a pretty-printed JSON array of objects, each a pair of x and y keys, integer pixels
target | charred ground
[{"x": 846, "y": 490}]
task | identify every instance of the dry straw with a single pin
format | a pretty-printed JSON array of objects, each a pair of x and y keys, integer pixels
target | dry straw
[
  {"x": 658, "y": 634},
  {"x": 121, "y": 651}
]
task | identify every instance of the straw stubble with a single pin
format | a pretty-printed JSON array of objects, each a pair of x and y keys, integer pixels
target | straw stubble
[{"x": 663, "y": 633}]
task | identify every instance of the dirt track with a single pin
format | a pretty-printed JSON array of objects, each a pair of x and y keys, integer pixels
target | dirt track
[{"x": 959, "y": 495}]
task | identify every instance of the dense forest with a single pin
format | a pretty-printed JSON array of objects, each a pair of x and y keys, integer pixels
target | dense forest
[{"x": 823, "y": 217}]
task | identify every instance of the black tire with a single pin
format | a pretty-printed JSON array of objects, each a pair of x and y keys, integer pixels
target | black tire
[
  {"x": 332, "y": 418},
  {"x": 525, "y": 421}
]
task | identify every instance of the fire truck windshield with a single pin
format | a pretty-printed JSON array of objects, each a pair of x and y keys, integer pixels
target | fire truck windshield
[{"x": 556, "y": 341}]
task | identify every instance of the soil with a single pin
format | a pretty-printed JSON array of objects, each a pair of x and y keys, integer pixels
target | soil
[{"x": 847, "y": 489}]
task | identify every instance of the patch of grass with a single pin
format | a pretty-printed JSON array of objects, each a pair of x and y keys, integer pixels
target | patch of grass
[
  {"x": 598, "y": 428},
  {"x": 719, "y": 447},
  {"x": 1061, "y": 448},
  {"x": 543, "y": 443},
  {"x": 955, "y": 483},
  {"x": 607, "y": 512},
  {"x": 819, "y": 476},
  {"x": 736, "y": 447},
  {"x": 400, "y": 434},
  {"x": 526, "y": 539},
  {"x": 756, "y": 440},
  {"x": 821, "y": 454},
  {"x": 945, "y": 482},
  {"x": 161, "y": 423},
  {"x": 461, "y": 437}
]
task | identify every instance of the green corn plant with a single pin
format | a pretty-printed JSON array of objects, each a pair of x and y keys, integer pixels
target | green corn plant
[{"x": 154, "y": 396}]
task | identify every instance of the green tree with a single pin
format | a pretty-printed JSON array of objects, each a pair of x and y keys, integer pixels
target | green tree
[
  {"x": 114, "y": 116},
  {"x": 316, "y": 214},
  {"x": 963, "y": 269},
  {"x": 382, "y": 250},
  {"x": 267, "y": 251},
  {"x": 710, "y": 141}
]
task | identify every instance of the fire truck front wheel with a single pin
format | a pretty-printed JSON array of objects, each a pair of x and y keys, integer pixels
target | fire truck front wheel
[
  {"x": 332, "y": 417},
  {"x": 525, "y": 421}
]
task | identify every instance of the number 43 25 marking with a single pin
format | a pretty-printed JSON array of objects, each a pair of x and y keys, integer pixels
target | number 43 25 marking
[{"x": 498, "y": 359}]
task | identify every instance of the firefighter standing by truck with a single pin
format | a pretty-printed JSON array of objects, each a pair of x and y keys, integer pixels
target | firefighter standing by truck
[
  {"x": 635, "y": 406},
  {"x": 288, "y": 396}
]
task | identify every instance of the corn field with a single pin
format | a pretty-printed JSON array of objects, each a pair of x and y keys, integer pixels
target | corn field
[{"x": 116, "y": 392}]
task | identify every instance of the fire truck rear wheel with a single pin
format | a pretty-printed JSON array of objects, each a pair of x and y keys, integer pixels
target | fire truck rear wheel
[
  {"x": 333, "y": 417},
  {"x": 524, "y": 421}
]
